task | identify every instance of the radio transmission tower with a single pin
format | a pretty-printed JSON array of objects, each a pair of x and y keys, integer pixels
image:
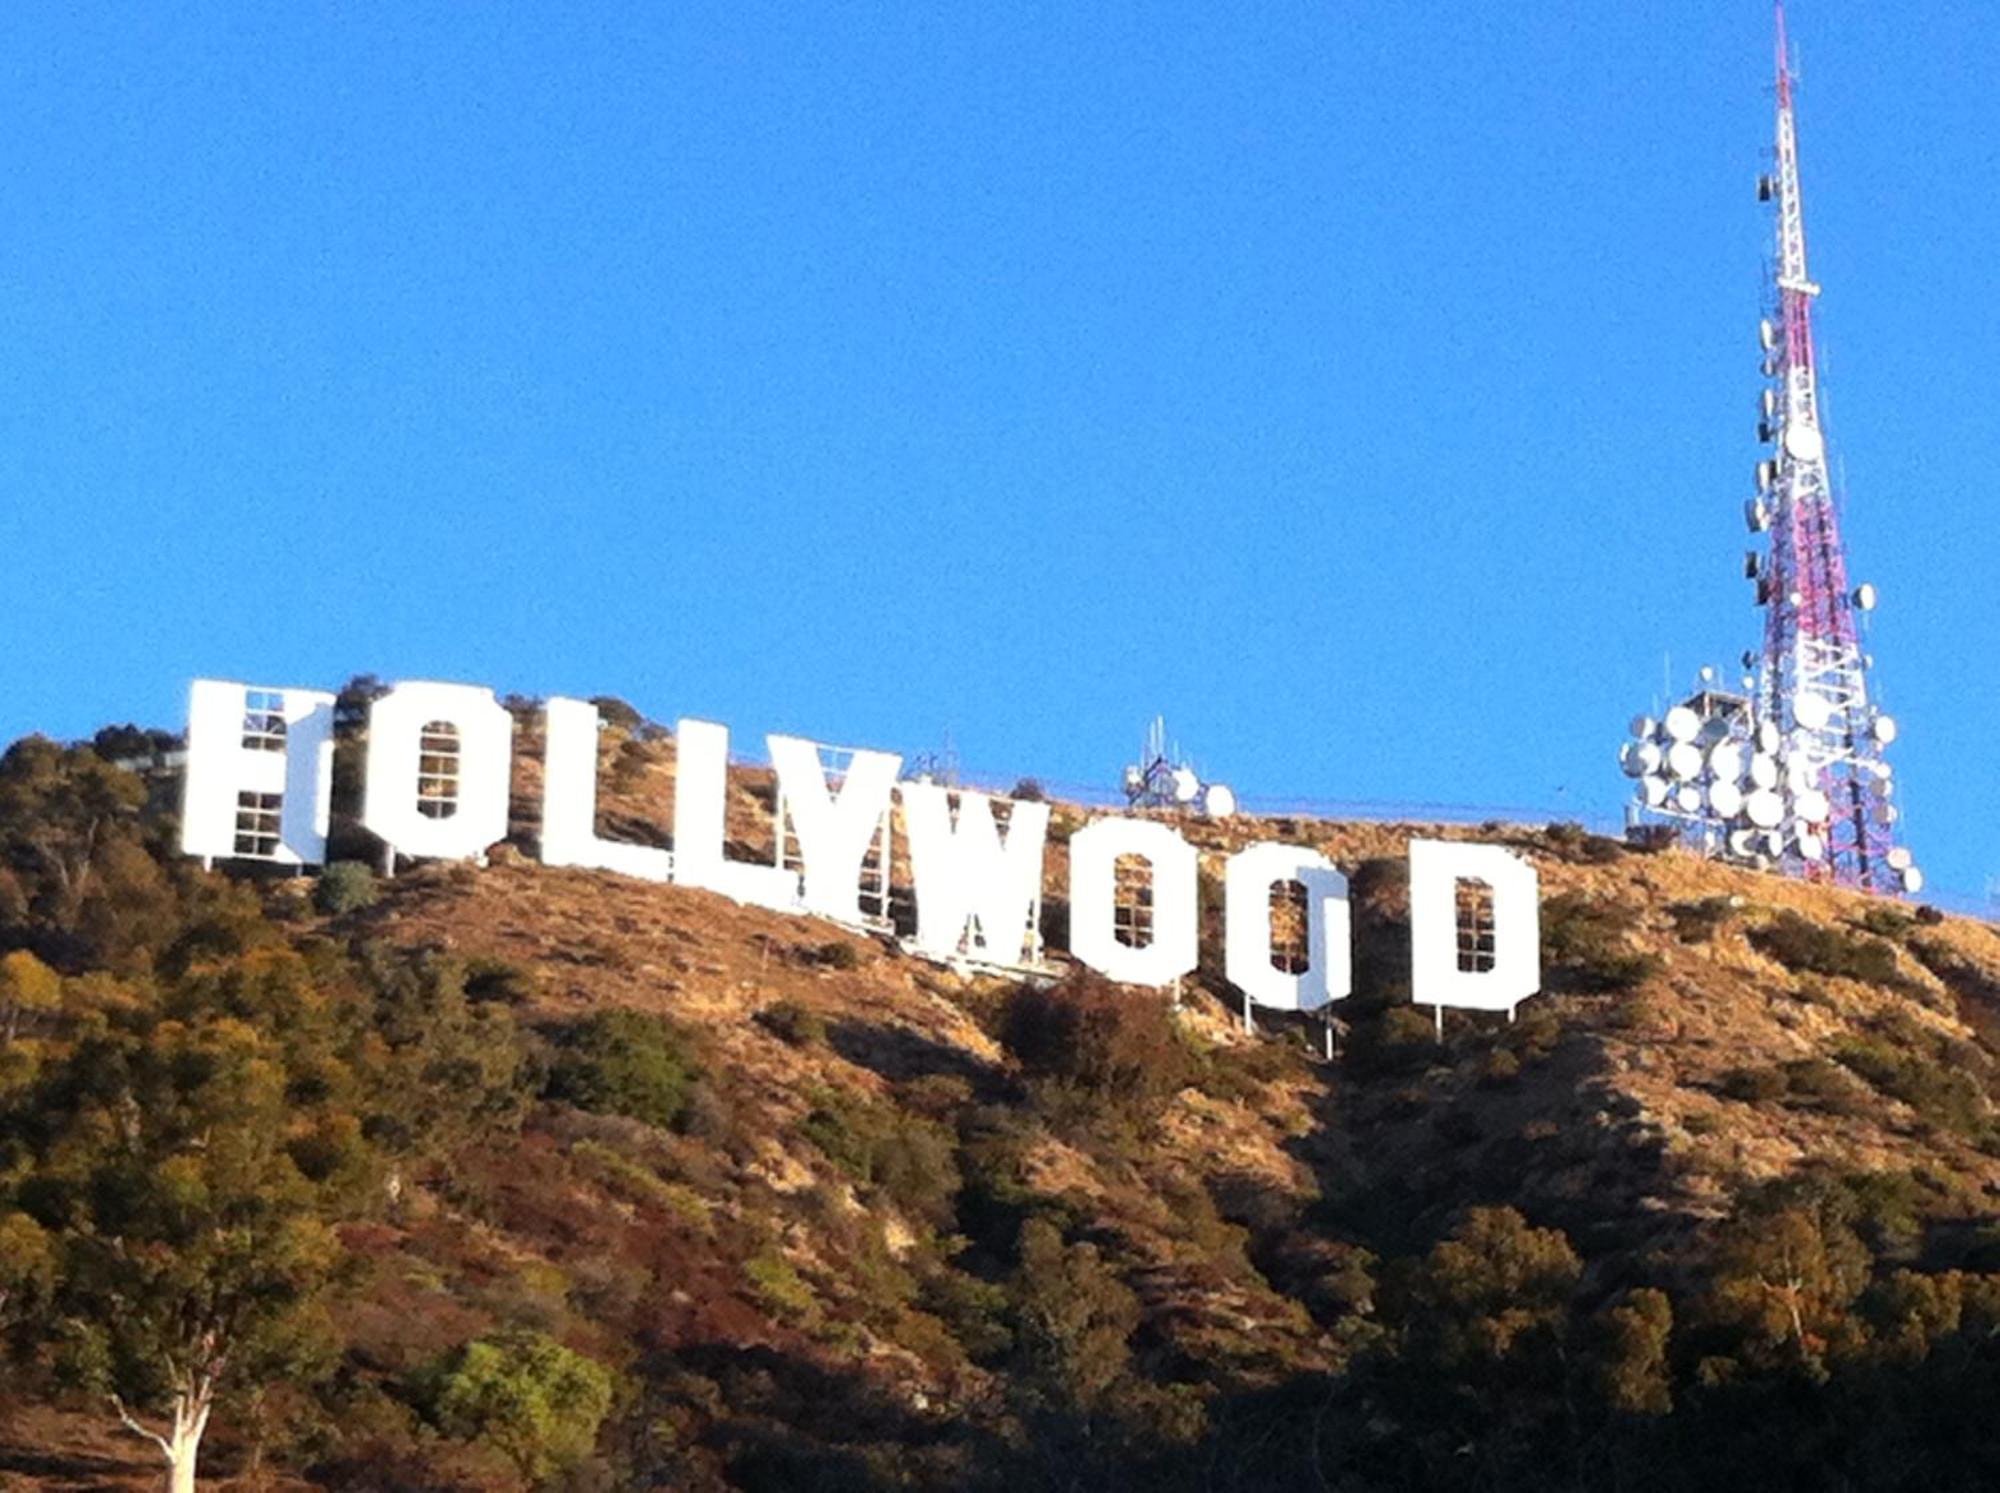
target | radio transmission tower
[{"x": 1794, "y": 776}]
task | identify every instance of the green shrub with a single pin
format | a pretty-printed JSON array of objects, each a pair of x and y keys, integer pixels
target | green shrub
[
  {"x": 1584, "y": 948},
  {"x": 794, "y": 1022},
  {"x": 621, "y": 1063},
  {"x": 616, "y": 713},
  {"x": 528, "y": 1397},
  {"x": 488, "y": 979},
  {"x": 1401, "y": 1039},
  {"x": 345, "y": 886},
  {"x": 1754, "y": 1085},
  {"x": 1945, "y": 1096},
  {"x": 1817, "y": 1081},
  {"x": 1074, "y": 1318},
  {"x": 1499, "y": 1068},
  {"x": 837, "y": 953},
  {"x": 782, "y": 1289},
  {"x": 1807, "y": 947},
  {"x": 974, "y": 1310},
  {"x": 1577, "y": 843},
  {"x": 1116, "y": 1047},
  {"x": 911, "y": 1161},
  {"x": 1886, "y": 921},
  {"x": 1699, "y": 922}
]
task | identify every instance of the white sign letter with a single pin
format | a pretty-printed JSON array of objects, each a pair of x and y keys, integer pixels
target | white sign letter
[
  {"x": 439, "y": 760},
  {"x": 1247, "y": 920},
  {"x": 1093, "y": 901},
  {"x": 259, "y": 773},
  {"x": 701, "y": 786},
  {"x": 834, "y": 829},
  {"x": 1481, "y": 981},
  {"x": 569, "y": 800},
  {"x": 976, "y": 897}
]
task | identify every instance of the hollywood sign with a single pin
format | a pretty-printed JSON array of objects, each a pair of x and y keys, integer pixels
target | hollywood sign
[{"x": 439, "y": 762}]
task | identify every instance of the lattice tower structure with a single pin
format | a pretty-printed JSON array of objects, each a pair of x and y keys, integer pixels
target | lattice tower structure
[{"x": 1813, "y": 675}]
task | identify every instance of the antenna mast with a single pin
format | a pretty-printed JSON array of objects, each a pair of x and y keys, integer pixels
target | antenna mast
[
  {"x": 1793, "y": 776},
  {"x": 1813, "y": 677}
]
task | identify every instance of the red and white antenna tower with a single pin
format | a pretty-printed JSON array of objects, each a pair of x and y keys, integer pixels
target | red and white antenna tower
[{"x": 1815, "y": 797}]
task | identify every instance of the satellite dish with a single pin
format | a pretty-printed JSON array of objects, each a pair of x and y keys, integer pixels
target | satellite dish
[
  {"x": 1765, "y": 809},
  {"x": 1725, "y": 798},
  {"x": 1767, "y": 736},
  {"x": 1725, "y": 761},
  {"x": 1811, "y": 846},
  {"x": 1767, "y": 335},
  {"x": 1649, "y": 756},
  {"x": 1805, "y": 442},
  {"x": 1763, "y": 772},
  {"x": 1644, "y": 726},
  {"x": 1913, "y": 880},
  {"x": 1743, "y": 843},
  {"x": 1800, "y": 776},
  {"x": 1628, "y": 759},
  {"x": 1757, "y": 518},
  {"x": 1810, "y": 710},
  {"x": 1774, "y": 842},
  {"x": 1765, "y": 472},
  {"x": 1898, "y": 858},
  {"x": 1813, "y": 806},
  {"x": 1652, "y": 791},
  {"x": 1682, "y": 724},
  {"x": 1684, "y": 760},
  {"x": 1714, "y": 729},
  {"x": 1219, "y": 801},
  {"x": 1864, "y": 597},
  {"x": 1885, "y": 729},
  {"x": 1186, "y": 785},
  {"x": 1687, "y": 798},
  {"x": 1769, "y": 403}
]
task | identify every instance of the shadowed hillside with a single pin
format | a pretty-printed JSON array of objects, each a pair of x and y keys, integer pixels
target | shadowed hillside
[{"x": 513, "y": 1177}]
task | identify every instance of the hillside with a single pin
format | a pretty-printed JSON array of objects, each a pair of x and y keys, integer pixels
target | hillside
[{"x": 581, "y": 1182}]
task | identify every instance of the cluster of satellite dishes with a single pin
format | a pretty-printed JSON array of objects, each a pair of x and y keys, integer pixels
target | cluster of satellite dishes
[
  {"x": 1758, "y": 796},
  {"x": 1164, "y": 779}
]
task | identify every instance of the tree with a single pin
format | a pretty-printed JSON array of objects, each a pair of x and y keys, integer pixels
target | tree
[
  {"x": 188, "y": 1253},
  {"x": 1784, "y": 1280},
  {"x": 536, "y": 1402},
  {"x": 1075, "y": 1316},
  {"x": 27, "y": 1267},
  {"x": 1632, "y": 1371},
  {"x": 74, "y": 874},
  {"x": 1494, "y": 1290},
  {"x": 27, "y": 987},
  {"x": 1109, "y": 1047}
]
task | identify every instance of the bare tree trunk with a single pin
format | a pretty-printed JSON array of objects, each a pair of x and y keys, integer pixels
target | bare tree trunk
[{"x": 182, "y": 1446}]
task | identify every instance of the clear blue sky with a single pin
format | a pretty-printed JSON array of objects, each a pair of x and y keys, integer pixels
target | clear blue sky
[{"x": 1369, "y": 387}]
